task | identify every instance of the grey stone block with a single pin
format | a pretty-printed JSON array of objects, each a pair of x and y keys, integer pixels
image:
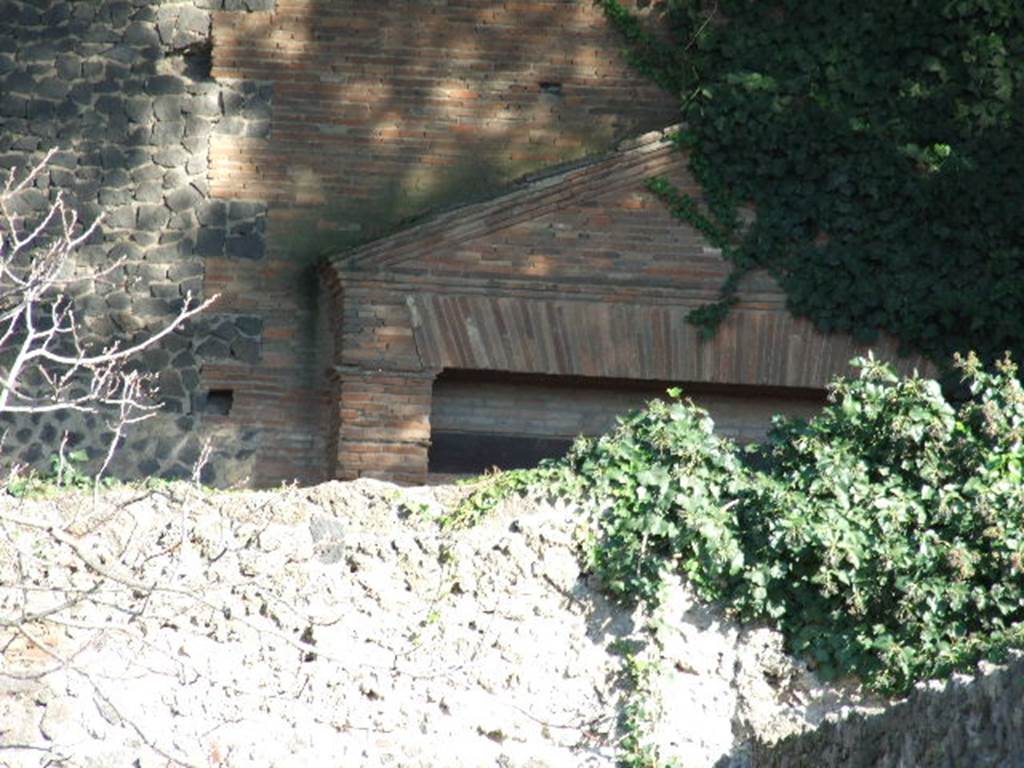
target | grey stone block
[
  {"x": 243, "y": 210},
  {"x": 167, "y": 22},
  {"x": 212, "y": 213},
  {"x": 225, "y": 330},
  {"x": 248, "y": 227},
  {"x": 257, "y": 129},
  {"x": 119, "y": 301},
  {"x": 249, "y": 325},
  {"x": 116, "y": 177},
  {"x": 194, "y": 145},
  {"x": 147, "y": 172},
  {"x": 175, "y": 177},
  {"x": 118, "y": 12},
  {"x": 63, "y": 179},
  {"x": 143, "y": 238},
  {"x": 183, "y": 198},
  {"x": 20, "y": 82},
  {"x": 176, "y": 342},
  {"x": 192, "y": 285},
  {"x": 246, "y": 351},
  {"x": 328, "y": 534},
  {"x": 183, "y": 220},
  {"x": 231, "y": 126},
  {"x": 139, "y": 109},
  {"x": 153, "y": 217},
  {"x": 197, "y": 165},
  {"x": 113, "y": 157},
  {"x": 163, "y": 254},
  {"x": 152, "y": 307},
  {"x": 121, "y": 217},
  {"x": 109, "y": 104},
  {"x": 149, "y": 192},
  {"x": 198, "y": 126},
  {"x": 248, "y": 247},
  {"x": 165, "y": 84},
  {"x": 168, "y": 134},
  {"x": 231, "y": 102},
  {"x": 185, "y": 269},
  {"x": 52, "y": 88},
  {"x": 41, "y": 110},
  {"x": 164, "y": 290},
  {"x": 170, "y": 157},
  {"x": 206, "y": 104},
  {"x": 213, "y": 348},
  {"x": 13, "y": 106},
  {"x": 210, "y": 242},
  {"x": 256, "y": 109},
  {"x": 67, "y": 111},
  {"x": 141, "y": 34},
  {"x": 81, "y": 93},
  {"x": 93, "y": 70},
  {"x": 168, "y": 107},
  {"x": 194, "y": 22},
  {"x": 26, "y": 202},
  {"x": 41, "y": 52},
  {"x": 119, "y": 54}
]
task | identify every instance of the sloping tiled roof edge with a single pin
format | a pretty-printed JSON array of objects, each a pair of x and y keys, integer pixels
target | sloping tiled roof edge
[{"x": 629, "y": 163}]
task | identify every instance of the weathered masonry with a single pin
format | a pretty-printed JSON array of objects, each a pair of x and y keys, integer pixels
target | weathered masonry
[
  {"x": 544, "y": 311},
  {"x": 232, "y": 143}
]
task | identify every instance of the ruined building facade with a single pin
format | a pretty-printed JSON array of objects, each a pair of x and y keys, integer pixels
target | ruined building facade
[{"x": 425, "y": 220}]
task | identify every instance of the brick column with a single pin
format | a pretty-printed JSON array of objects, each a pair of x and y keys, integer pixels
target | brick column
[{"x": 383, "y": 424}]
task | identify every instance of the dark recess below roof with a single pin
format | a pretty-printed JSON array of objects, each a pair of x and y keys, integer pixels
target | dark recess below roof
[{"x": 473, "y": 453}]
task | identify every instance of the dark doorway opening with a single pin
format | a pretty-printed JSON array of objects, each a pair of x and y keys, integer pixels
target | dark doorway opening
[{"x": 486, "y": 419}]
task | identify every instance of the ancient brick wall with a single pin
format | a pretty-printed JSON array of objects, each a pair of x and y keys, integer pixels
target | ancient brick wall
[
  {"x": 233, "y": 142},
  {"x": 382, "y": 111},
  {"x": 577, "y": 273}
]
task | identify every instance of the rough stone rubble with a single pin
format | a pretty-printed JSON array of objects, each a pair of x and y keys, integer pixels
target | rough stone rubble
[{"x": 338, "y": 625}]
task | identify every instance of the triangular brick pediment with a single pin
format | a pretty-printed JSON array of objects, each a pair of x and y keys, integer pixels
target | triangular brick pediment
[
  {"x": 592, "y": 224},
  {"x": 580, "y": 273}
]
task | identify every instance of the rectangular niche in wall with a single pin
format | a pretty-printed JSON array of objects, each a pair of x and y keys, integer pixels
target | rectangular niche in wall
[
  {"x": 216, "y": 402},
  {"x": 485, "y": 419}
]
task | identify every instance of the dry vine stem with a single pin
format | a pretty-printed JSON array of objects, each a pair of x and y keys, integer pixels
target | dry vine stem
[{"x": 45, "y": 363}]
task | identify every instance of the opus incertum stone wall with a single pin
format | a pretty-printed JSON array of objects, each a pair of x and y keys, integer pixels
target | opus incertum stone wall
[
  {"x": 231, "y": 143},
  {"x": 123, "y": 89}
]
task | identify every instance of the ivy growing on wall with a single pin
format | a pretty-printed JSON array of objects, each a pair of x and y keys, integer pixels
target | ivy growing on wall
[{"x": 881, "y": 146}]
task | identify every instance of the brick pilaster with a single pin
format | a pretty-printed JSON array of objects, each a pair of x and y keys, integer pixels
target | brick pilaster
[{"x": 384, "y": 424}]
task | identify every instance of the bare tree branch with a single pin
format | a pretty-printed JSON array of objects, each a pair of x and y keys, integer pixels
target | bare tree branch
[{"x": 45, "y": 364}]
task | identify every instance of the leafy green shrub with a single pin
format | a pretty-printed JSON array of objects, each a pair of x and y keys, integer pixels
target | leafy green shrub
[
  {"x": 664, "y": 481},
  {"x": 884, "y": 537}
]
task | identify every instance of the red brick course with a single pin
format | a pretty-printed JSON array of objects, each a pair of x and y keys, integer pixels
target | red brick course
[{"x": 381, "y": 111}]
